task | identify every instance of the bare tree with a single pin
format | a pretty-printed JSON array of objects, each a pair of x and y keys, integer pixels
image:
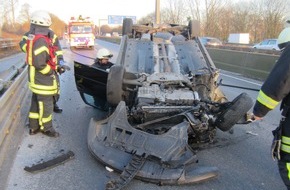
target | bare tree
[
  {"x": 261, "y": 18},
  {"x": 10, "y": 9},
  {"x": 4, "y": 12},
  {"x": 195, "y": 9},
  {"x": 213, "y": 10},
  {"x": 224, "y": 22},
  {"x": 256, "y": 24},
  {"x": 174, "y": 12},
  {"x": 150, "y": 18},
  {"x": 117, "y": 29},
  {"x": 24, "y": 14},
  {"x": 106, "y": 29},
  {"x": 273, "y": 16}
]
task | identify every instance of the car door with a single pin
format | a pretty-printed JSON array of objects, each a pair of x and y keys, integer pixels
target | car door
[
  {"x": 264, "y": 44},
  {"x": 91, "y": 82},
  {"x": 272, "y": 44}
]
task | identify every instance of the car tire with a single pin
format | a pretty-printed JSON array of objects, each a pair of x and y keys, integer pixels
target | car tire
[
  {"x": 115, "y": 85},
  {"x": 127, "y": 26},
  {"x": 239, "y": 107},
  {"x": 194, "y": 28}
]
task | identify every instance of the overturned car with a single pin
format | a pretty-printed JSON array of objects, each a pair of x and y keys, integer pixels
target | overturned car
[{"x": 163, "y": 101}]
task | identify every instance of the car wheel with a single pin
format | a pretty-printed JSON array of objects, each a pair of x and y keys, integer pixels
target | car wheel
[
  {"x": 127, "y": 26},
  {"x": 238, "y": 108},
  {"x": 194, "y": 28},
  {"x": 114, "y": 85}
]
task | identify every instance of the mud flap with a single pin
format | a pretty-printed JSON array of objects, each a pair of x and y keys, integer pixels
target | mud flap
[{"x": 50, "y": 163}]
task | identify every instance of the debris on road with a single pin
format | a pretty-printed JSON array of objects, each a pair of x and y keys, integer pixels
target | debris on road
[
  {"x": 251, "y": 133},
  {"x": 50, "y": 163}
]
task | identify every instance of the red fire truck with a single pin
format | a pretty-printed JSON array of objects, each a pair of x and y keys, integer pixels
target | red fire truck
[{"x": 81, "y": 32}]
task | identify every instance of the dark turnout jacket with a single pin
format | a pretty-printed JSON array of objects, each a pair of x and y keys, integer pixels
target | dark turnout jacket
[
  {"x": 276, "y": 87},
  {"x": 44, "y": 31}
]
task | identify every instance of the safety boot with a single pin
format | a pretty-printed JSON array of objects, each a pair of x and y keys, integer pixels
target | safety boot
[
  {"x": 51, "y": 132},
  {"x": 33, "y": 131},
  {"x": 56, "y": 109}
]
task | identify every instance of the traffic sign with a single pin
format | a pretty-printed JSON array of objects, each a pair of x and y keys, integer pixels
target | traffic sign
[{"x": 118, "y": 19}]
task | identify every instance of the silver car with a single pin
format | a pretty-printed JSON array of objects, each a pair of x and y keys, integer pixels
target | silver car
[{"x": 268, "y": 44}]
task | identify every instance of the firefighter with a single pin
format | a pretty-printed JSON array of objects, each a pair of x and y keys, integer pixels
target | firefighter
[
  {"x": 102, "y": 60},
  {"x": 276, "y": 88},
  {"x": 60, "y": 60},
  {"x": 42, "y": 74}
]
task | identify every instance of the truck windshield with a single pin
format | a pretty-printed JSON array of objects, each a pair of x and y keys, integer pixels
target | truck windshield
[{"x": 81, "y": 29}]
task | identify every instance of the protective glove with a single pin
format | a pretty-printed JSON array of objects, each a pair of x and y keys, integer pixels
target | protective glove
[
  {"x": 248, "y": 118},
  {"x": 61, "y": 62},
  {"x": 62, "y": 69},
  {"x": 276, "y": 143},
  {"x": 275, "y": 149}
]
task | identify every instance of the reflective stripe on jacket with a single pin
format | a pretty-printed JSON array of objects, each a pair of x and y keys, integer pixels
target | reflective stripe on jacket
[
  {"x": 266, "y": 100},
  {"x": 59, "y": 52}
]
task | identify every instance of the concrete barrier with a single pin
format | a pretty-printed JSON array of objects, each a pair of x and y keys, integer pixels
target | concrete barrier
[{"x": 249, "y": 64}]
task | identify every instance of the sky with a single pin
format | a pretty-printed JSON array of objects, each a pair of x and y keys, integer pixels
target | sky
[{"x": 95, "y": 9}]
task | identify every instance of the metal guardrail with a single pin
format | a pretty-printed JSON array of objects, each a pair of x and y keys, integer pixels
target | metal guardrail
[
  {"x": 6, "y": 43},
  {"x": 11, "y": 103},
  {"x": 7, "y": 76}
]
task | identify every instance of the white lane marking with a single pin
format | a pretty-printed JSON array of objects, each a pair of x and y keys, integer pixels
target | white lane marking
[{"x": 242, "y": 79}]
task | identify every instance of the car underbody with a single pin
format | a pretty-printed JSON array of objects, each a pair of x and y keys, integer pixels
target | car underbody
[{"x": 163, "y": 101}]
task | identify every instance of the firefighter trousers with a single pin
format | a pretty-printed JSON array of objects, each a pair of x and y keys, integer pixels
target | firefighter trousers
[
  {"x": 40, "y": 114},
  {"x": 284, "y": 163}
]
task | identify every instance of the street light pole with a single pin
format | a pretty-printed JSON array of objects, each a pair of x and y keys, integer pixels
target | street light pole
[{"x": 157, "y": 12}]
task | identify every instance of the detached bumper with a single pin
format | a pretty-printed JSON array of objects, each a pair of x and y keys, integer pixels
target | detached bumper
[{"x": 169, "y": 160}]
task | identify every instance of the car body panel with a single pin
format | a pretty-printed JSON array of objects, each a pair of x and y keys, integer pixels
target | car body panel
[{"x": 181, "y": 53}]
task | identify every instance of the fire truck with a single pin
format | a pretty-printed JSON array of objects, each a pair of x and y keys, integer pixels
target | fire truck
[{"x": 81, "y": 32}]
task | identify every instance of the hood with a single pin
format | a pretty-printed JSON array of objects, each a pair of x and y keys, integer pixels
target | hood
[{"x": 35, "y": 29}]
